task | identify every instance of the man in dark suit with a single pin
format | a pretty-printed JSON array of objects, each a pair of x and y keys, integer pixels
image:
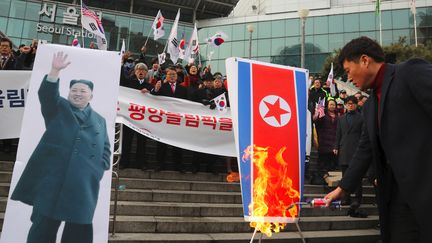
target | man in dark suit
[
  {"x": 169, "y": 88},
  {"x": 8, "y": 62},
  {"x": 396, "y": 138},
  {"x": 348, "y": 133},
  {"x": 136, "y": 81},
  {"x": 61, "y": 178}
]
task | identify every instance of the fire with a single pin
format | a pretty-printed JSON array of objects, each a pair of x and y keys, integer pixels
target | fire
[{"x": 273, "y": 194}]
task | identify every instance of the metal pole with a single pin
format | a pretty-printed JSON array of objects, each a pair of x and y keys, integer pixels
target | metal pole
[
  {"x": 380, "y": 25},
  {"x": 302, "y": 51},
  {"x": 250, "y": 45},
  {"x": 117, "y": 155},
  {"x": 415, "y": 29}
]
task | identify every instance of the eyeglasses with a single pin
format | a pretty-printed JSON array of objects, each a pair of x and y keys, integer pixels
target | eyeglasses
[{"x": 350, "y": 103}]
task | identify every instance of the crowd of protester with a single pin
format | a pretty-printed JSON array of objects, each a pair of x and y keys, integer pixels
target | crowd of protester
[
  {"x": 191, "y": 82},
  {"x": 337, "y": 126},
  {"x": 21, "y": 59}
]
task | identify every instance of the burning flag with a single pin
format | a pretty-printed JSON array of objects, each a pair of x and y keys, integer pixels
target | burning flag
[{"x": 268, "y": 107}]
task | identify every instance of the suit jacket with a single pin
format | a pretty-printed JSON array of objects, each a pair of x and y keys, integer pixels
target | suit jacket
[
  {"x": 348, "y": 136},
  {"x": 133, "y": 82},
  {"x": 165, "y": 90},
  {"x": 12, "y": 63},
  {"x": 61, "y": 178},
  {"x": 400, "y": 147}
]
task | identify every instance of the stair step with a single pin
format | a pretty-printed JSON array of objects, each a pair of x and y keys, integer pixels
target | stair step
[
  {"x": 6, "y": 165},
  {"x": 171, "y": 175},
  {"x": 199, "y": 196},
  {"x": 158, "y": 224},
  {"x": 181, "y": 209},
  {"x": 184, "y": 185},
  {"x": 339, "y": 236}
]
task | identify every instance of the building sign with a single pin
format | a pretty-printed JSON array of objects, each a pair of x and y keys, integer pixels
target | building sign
[{"x": 69, "y": 17}]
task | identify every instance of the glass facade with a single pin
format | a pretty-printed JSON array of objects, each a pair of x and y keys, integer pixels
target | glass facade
[
  {"x": 57, "y": 22},
  {"x": 278, "y": 41}
]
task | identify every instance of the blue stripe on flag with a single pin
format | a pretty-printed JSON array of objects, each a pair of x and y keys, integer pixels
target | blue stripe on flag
[
  {"x": 245, "y": 130},
  {"x": 301, "y": 101}
]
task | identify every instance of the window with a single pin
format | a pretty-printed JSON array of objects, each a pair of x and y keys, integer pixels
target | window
[
  {"x": 367, "y": 21},
  {"x": 351, "y": 22},
  {"x": 239, "y": 31},
  {"x": 400, "y": 18},
  {"x": 29, "y": 29},
  {"x": 264, "y": 29},
  {"x": 277, "y": 45},
  {"x": 335, "y": 24},
  {"x": 292, "y": 27},
  {"x": 264, "y": 47},
  {"x": 239, "y": 47},
  {"x": 4, "y": 7},
  {"x": 14, "y": 28},
  {"x": 321, "y": 43},
  {"x": 32, "y": 11},
  {"x": 278, "y": 28},
  {"x": 17, "y": 9},
  {"x": 321, "y": 25}
]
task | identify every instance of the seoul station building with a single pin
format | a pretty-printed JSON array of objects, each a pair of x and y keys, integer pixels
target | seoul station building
[{"x": 267, "y": 30}]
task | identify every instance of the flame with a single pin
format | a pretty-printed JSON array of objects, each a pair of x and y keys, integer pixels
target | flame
[
  {"x": 233, "y": 177},
  {"x": 273, "y": 194}
]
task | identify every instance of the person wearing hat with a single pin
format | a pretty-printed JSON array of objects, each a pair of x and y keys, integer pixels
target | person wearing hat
[
  {"x": 343, "y": 95},
  {"x": 61, "y": 178}
]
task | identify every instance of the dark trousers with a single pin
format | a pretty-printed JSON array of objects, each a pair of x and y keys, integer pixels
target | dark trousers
[
  {"x": 358, "y": 192},
  {"x": 177, "y": 155},
  {"x": 326, "y": 162},
  {"x": 403, "y": 227},
  {"x": 128, "y": 135},
  {"x": 44, "y": 230}
]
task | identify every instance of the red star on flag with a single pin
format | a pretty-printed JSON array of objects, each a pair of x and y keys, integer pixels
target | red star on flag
[{"x": 275, "y": 110}]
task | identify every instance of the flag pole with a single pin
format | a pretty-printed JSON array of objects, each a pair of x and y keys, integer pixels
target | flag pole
[
  {"x": 414, "y": 11},
  {"x": 82, "y": 28},
  {"x": 145, "y": 44},
  {"x": 380, "y": 22},
  {"x": 199, "y": 58}
]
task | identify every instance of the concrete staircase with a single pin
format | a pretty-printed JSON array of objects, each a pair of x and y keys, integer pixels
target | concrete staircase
[{"x": 173, "y": 207}]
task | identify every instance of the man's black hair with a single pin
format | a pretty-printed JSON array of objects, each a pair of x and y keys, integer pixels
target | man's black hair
[
  {"x": 4, "y": 39},
  {"x": 172, "y": 68},
  {"x": 351, "y": 98},
  {"x": 358, "y": 47}
]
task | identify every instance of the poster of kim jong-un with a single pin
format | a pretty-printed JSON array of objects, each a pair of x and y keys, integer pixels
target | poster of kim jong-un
[{"x": 60, "y": 189}]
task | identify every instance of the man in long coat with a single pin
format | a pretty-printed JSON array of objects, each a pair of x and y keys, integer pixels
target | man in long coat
[
  {"x": 61, "y": 179},
  {"x": 396, "y": 138},
  {"x": 348, "y": 132}
]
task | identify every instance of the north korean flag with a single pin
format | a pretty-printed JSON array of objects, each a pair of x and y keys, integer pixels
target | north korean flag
[{"x": 269, "y": 115}]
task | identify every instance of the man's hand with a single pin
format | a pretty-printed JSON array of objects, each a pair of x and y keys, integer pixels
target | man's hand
[
  {"x": 158, "y": 85},
  {"x": 336, "y": 194},
  {"x": 144, "y": 91},
  {"x": 58, "y": 63},
  {"x": 335, "y": 151},
  {"x": 25, "y": 49}
]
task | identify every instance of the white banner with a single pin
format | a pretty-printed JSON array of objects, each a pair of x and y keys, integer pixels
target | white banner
[
  {"x": 62, "y": 176},
  {"x": 203, "y": 138},
  {"x": 13, "y": 92},
  {"x": 177, "y": 122}
]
